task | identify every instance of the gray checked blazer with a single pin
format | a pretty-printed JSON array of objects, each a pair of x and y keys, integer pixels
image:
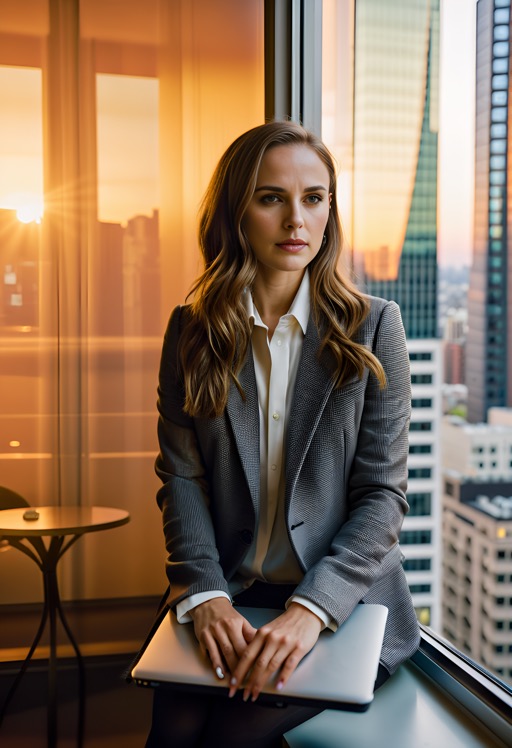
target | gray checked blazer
[{"x": 346, "y": 472}]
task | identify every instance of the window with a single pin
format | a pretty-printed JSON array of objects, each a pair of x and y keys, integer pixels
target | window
[
  {"x": 420, "y": 449},
  {"x": 421, "y": 402},
  {"x": 375, "y": 88},
  {"x": 104, "y": 266},
  {"x": 423, "y": 472},
  {"x": 420, "y": 356},
  {"x": 502, "y": 16},
  {"x": 417, "y": 564},
  {"x": 421, "y": 378},
  {"x": 500, "y": 33},
  {"x": 415, "y": 537},
  {"x": 420, "y": 426},
  {"x": 500, "y": 49},
  {"x": 420, "y": 503},
  {"x": 418, "y": 588}
]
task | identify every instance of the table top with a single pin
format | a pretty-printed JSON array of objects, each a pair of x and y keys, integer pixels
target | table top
[{"x": 61, "y": 520}]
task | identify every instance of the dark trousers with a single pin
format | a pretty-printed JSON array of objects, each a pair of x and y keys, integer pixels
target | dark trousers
[{"x": 183, "y": 720}]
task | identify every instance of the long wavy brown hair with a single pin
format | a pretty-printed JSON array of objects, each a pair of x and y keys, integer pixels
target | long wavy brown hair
[{"x": 216, "y": 333}]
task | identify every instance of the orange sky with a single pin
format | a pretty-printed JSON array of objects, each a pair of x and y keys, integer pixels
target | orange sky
[
  {"x": 128, "y": 138},
  {"x": 456, "y": 131}
]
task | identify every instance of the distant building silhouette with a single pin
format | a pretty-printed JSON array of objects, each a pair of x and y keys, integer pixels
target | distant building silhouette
[
  {"x": 489, "y": 345},
  {"x": 19, "y": 271},
  {"x": 454, "y": 344},
  {"x": 124, "y": 286}
]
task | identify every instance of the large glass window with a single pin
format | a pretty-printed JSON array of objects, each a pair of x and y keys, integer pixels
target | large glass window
[
  {"x": 382, "y": 85},
  {"x": 113, "y": 115}
]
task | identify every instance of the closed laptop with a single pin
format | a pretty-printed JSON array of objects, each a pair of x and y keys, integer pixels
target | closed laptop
[{"x": 338, "y": 673}]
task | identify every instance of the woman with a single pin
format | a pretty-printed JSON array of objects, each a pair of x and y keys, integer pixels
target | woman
[{"x": 284, "y": 403}]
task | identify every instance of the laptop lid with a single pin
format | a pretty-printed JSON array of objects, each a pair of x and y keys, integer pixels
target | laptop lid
[{"x": 338, "y": 673}]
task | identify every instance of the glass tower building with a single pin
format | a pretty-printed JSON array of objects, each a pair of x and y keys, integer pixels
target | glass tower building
[
  {"x": 395, "y": 156},
  {"x": 394, "y": 238},
  {"x": 489, "y": 344}
]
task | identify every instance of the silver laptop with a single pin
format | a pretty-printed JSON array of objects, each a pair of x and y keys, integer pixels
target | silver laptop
[{"x": 338, "y": 673}]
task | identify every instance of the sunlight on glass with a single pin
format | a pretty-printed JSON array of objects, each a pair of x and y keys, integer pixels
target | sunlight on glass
[
  {"x": 21, "y": 142},
  {"x": 128, "y": 167},
  {"x": 30, "y": 210}
]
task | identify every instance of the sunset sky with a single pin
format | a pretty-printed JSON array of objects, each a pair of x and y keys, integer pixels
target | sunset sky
[
  {"x": 128, "y": 139},
  {"x": 456, "y": 126}
]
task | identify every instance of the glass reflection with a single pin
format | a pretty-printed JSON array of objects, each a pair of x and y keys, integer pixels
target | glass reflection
[{"x": 139, "y": 102}]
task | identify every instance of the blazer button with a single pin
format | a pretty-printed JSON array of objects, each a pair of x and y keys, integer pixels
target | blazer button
[{"x": 246, "y": 537}]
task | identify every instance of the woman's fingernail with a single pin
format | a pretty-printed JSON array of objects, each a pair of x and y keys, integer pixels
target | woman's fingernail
[
  {"x": 279, "y": 685},
  {"x": 232, "y": 682},
  {"x": 246, "y": 695},
  {"x": 219, "y": 673}
]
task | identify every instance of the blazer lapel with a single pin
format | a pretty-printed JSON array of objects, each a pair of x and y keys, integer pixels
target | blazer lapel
[
  {"x": 244, "y": 419},
  {"x": 313, "y": 386}
]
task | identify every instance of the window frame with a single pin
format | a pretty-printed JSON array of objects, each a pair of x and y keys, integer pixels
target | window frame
[{"x": 484, "y": 695}]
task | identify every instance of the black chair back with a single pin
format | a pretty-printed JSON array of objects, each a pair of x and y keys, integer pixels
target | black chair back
[{"x": 10, "y": 499}]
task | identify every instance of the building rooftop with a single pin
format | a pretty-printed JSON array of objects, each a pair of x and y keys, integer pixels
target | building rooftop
[{"x": 499, "y": 507}]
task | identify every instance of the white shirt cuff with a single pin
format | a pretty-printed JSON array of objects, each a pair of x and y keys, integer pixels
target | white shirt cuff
[
  {"x": 186, "y": 605},
  {"x": 316, "y": 609}
]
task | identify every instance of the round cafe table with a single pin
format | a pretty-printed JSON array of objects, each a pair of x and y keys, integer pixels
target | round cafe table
[{"x": 62, "y": 526}]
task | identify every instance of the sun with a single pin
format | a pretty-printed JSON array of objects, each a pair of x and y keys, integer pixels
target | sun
[
  {"x": 28, "y": 206},
  {"x": 30, "y": 210}
]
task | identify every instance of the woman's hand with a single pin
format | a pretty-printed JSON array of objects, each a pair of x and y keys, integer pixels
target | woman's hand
[
  {"x": 223, "y": 634},
  {"x": 278, "y": 645}
]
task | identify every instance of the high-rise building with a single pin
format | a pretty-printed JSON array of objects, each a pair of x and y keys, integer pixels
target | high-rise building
[
  {"x": 477, "y": 539},
  {"x": 394, "y": 237},
  {"x": 454, "y": 343},
  {"x": 489, "y": 343}
]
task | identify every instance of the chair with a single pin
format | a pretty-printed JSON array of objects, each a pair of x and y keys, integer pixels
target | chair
[{"x": 9, "y": 500}]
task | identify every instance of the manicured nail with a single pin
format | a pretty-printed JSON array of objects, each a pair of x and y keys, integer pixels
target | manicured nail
[
  {"x": 232, "y": 689},
  {"x": 280, "y": 685},
  {"x": 219, "y": 673},
  {"x": 246, "y": 695}
]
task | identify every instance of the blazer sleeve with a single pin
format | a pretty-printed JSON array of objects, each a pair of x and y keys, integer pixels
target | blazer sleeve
[
  {"x": 366, "y": 544},
  {"x": 192, "y": 564}
]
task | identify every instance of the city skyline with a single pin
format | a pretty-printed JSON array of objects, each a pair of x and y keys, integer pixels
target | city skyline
[{"x": 21, "y": 142}]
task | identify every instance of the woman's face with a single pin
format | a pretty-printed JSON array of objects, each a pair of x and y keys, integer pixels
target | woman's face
[{"x": 287, "y": 215}]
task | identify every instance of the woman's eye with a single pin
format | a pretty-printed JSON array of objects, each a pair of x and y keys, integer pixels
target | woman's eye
[
  {"x": 313, "y": 199},
  {"x": 269, "y": 199}
]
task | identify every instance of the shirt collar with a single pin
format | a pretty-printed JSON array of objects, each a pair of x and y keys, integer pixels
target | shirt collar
[{"x": 299, "y": 309}]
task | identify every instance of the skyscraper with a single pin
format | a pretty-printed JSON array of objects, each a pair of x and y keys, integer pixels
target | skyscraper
[
  {"x": 477, "y": 539},
  {"x": 394, "y": 235},
  {"x": 489, "y": 344}
]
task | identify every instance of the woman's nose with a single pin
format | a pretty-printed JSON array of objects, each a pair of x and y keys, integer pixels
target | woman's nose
[{"x": 294, "y": 218}]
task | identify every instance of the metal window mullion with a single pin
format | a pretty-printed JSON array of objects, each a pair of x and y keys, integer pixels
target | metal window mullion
[
  {"x": 293, "y": 61},
  {"x": 311, "y": 59},
  {"x": 296, "y": 60}
]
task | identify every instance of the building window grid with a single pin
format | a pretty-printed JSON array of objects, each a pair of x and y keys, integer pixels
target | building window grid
[{"x": 498, "y": 159}]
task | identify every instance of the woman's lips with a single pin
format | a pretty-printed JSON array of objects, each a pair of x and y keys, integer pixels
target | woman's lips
[{"x": 292, "y": 245}]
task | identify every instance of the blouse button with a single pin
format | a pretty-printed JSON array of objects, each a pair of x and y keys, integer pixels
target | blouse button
[{"x": 276, "y": 416}]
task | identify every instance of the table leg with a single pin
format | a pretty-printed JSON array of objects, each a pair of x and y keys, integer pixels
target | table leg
[
  {"x": 56, "y": 611},
  {"x": 19, "y": 676},
  {"x": 47, "y": 560},
  {"x": 52, "y": 595},
  {"x": 80, "y": 662}
]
